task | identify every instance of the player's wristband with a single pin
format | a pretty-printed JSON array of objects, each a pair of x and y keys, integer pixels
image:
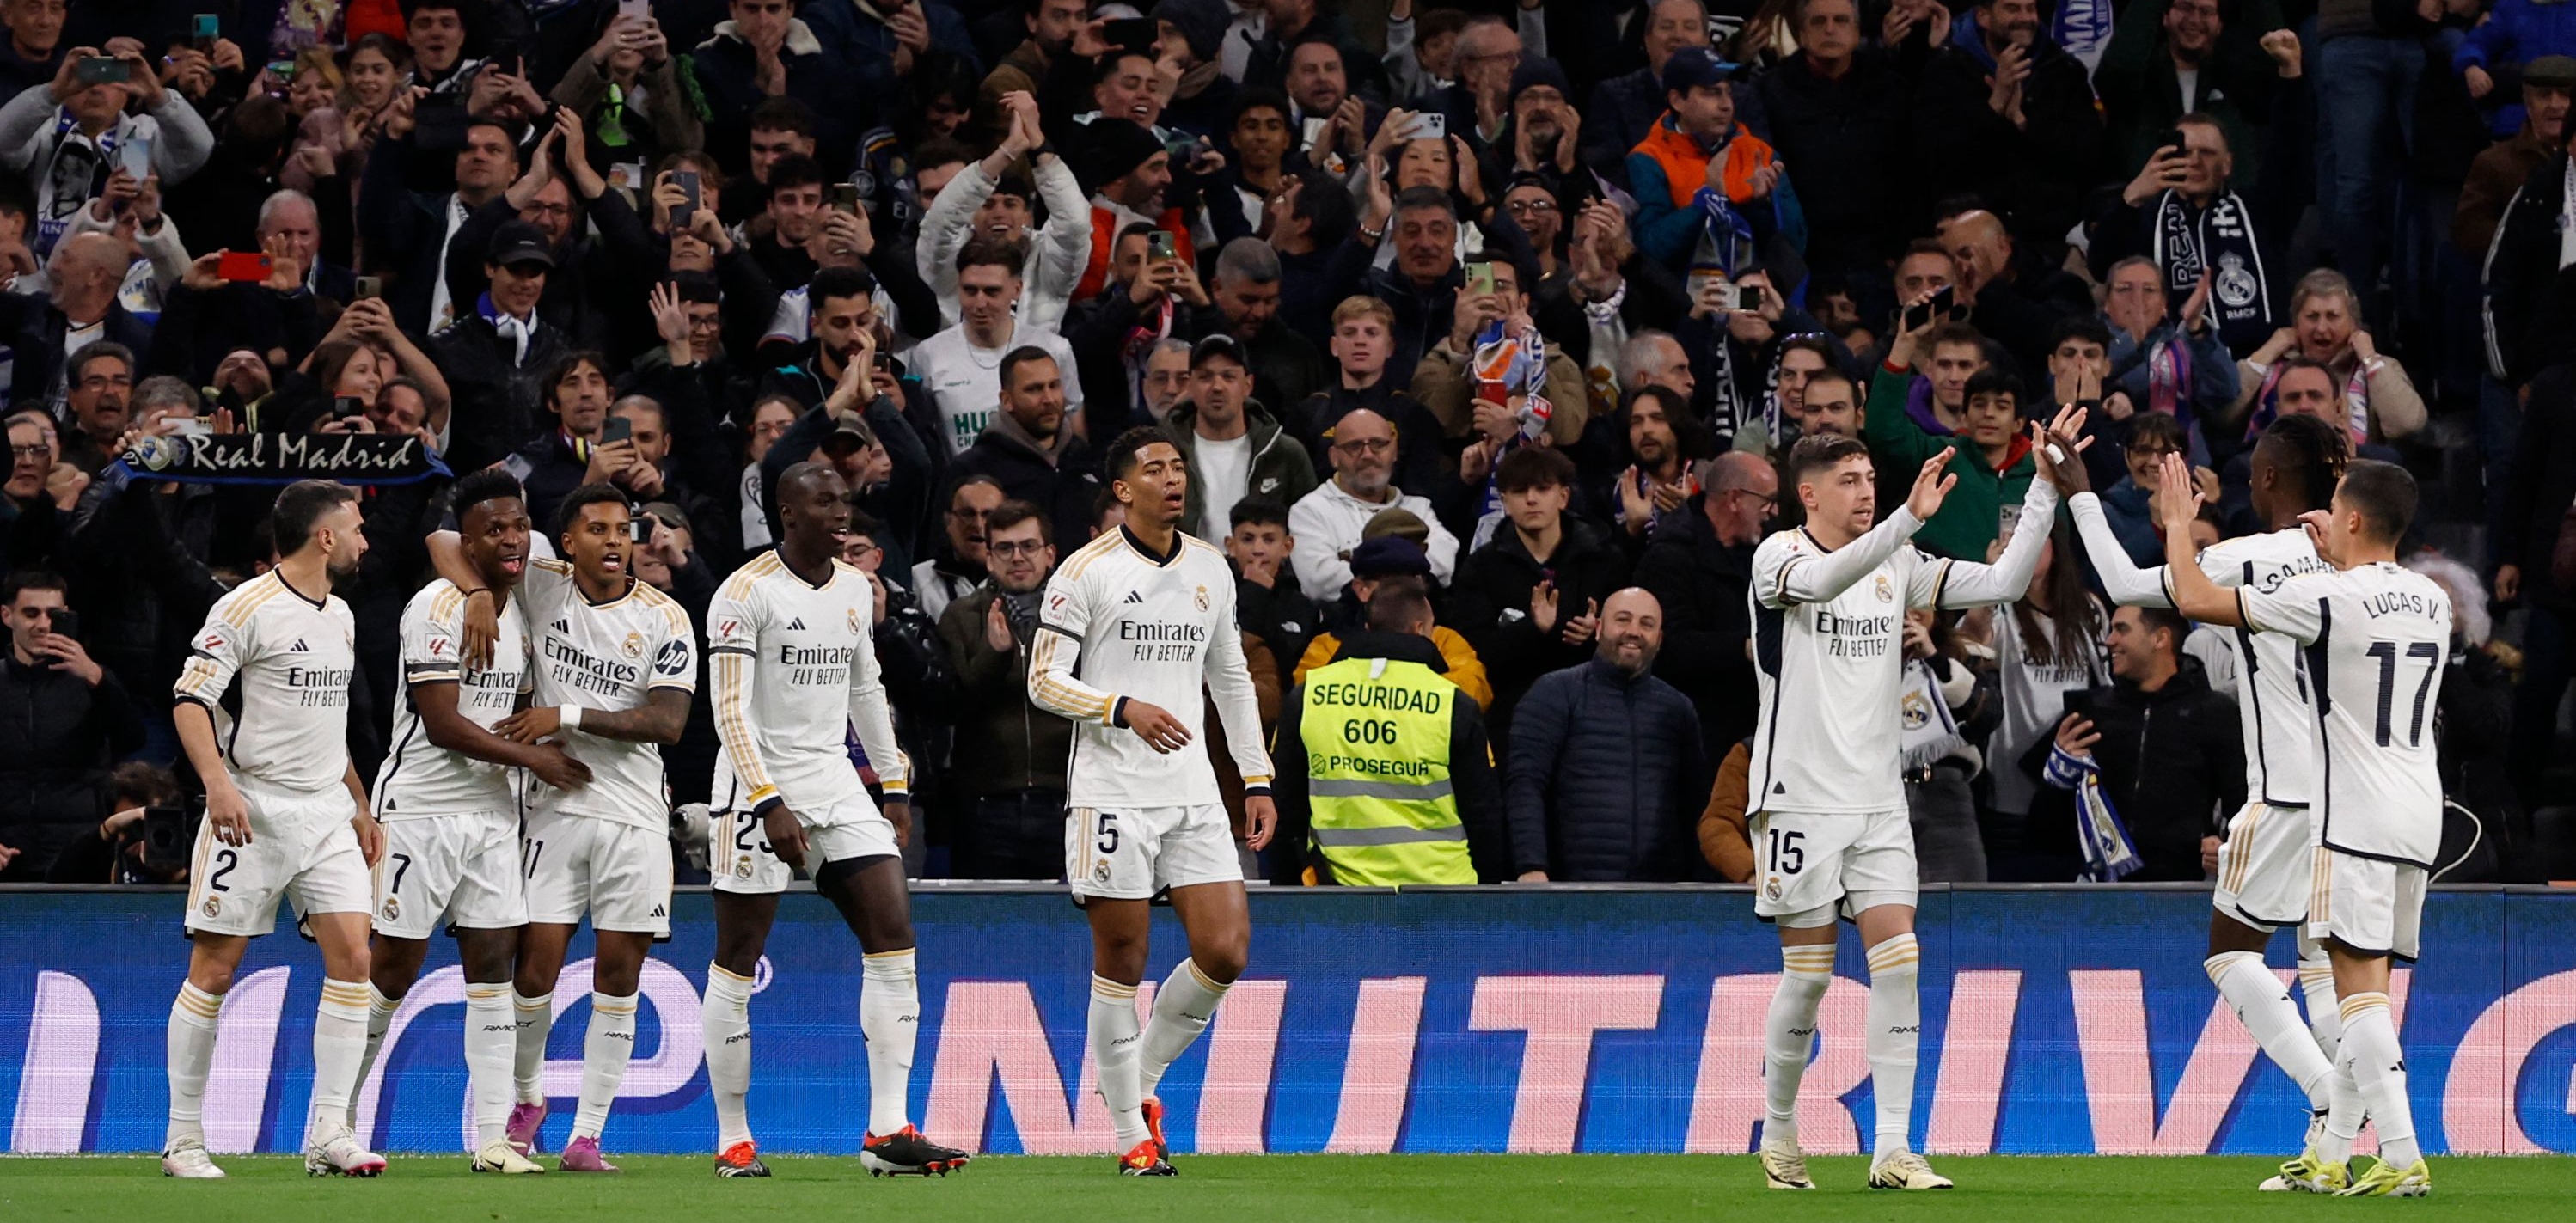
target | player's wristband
[
  {"x": 1118, "y": 713},
  {"x": 762, "y": 808},
  {"x": 569, "y": 716}
]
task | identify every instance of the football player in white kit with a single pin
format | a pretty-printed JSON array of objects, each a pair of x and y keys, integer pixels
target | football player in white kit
[
  {"x": 447, "y": 797},
  {"x": 286, "y": 818},
  {"x": 792, "y": 658},
  {"x": 1826, "y": 802},
  {"x": 2377, "y": 636},
  {"x": 2264, "y": 865},
  {"x": 1147, "y": 612},
  {"x": 616, "y": 665}
]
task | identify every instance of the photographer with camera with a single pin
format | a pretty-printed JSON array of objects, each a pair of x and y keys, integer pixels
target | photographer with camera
[
  {"x": 146, "y": 839},
  {"x": 62, "y": 719},
  {"x": 1009, "y": 758}
]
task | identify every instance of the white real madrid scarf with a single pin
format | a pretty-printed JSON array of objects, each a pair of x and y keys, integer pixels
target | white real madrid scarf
[{"x": 2219, "y": 240}]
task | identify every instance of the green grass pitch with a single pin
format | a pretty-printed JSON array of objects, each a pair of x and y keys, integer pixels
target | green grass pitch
[{"x": 1249, "y": 1189}]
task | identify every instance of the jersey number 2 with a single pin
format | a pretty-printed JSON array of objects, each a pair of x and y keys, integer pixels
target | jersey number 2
[{"x": 2386, "y": 653}]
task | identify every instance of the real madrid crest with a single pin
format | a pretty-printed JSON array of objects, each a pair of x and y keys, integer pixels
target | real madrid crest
[
  {"x": 854, "y": 622},
  {"x": 2235, "y": 286},
  {"x": 634, "y": 646},
  {"x": 1886, "y": 589},
  {"x": 1201, "y": 599},
  {"x": 742, "y": 867},
  {"x": 213, "y": 905},
  {"x": 1771, "y": 889},
  {"x": 393, "y": 908}
]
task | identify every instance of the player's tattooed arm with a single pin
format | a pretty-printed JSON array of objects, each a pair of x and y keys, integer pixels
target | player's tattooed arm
[
  {"x": 657, "y": 720},
  {"x": 450, "y": 730}
]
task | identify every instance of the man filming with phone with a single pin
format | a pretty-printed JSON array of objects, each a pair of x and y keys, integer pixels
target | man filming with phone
[{"x": 68, "y": 718}]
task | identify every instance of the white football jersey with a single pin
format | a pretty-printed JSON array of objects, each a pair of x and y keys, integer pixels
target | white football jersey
[
  {"x": 2377, "y": 638},
  {"x": 1829, "y": 662},
  {"x": 289, "y": 659},
  {"x": 1119, "y": 625},
  {"x": 419, "y": 779},
  {"x": 2271, "y": 680},
  {"x": 607, "y": 656},
  {"x": 1830, "y": 676},
  {"x": 793, "y": 666}
]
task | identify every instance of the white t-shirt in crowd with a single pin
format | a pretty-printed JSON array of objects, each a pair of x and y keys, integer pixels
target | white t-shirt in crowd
[
  {"x": 1225, "y": 468},
  {"x": 965, "y": 382}
]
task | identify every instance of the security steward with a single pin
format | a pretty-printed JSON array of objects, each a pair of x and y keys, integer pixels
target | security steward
[{"x": 1384, "y": 775}]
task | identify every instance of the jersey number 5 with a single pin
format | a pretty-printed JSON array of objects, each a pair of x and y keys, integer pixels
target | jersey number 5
[{"x": 2386, "y": 653}]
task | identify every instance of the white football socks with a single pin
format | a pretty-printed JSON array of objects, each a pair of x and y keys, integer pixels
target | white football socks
[
  {"x": 1895, "y": 1031},
  {"x": 1114, "y": 1041},
  {"x": 605, "y": 1050},
  {"x": 2266, "y": 1011},
  {"x": 724, "y": 1017},
  {"x": 528, "y": 1049},
  {"x": 491, "y": 1041},
  {"x": 2344, "y": 1112},
  {"x": 1789, "y": 1034},
  {"x": 890, "y": 1019},
  {"x": 192, "y": 1057},
  {"x": 1183, "y": 1006},
  {"x": 339, "y": 1042},
  {"x": 2372, "y": 1057},
  {"x": 380, "y": 1019}
]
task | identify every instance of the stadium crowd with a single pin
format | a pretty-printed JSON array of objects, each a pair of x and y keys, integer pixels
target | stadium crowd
[{"x": 1514, "y": 305}]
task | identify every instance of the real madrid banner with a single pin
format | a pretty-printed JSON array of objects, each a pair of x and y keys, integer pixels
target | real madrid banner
[{"x": 282, "y": 458}]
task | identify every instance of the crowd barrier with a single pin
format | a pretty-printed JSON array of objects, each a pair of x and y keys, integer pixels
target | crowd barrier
[{"x": 2055, "y": 1020}]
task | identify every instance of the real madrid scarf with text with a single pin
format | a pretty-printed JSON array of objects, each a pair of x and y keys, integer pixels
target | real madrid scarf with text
[
  {"x": 281, "y": 458},
  {"x": 2218, "y": 240}
]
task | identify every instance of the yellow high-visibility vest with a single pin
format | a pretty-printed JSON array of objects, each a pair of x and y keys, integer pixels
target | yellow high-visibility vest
[{"x": 1377, "y": 765}]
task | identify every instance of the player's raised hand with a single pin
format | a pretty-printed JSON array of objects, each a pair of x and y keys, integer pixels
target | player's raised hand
[
  {"x": 786, "y": 835},
  {"x": 482, "y": 628},
  {"x": 1263, "y": 815},
  {"x": 561, "y": 771},
  {"x": 2177, "y": 498},
  {"x": 1157, "y": 727},
  {"x": 1930, "y": 487},
  {"x": 2314, "y": 522},
  {"x": 226, "y": 812}
]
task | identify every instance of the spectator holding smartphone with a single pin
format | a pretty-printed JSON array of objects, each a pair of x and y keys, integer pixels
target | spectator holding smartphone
[{"x": 62, "y": 719}]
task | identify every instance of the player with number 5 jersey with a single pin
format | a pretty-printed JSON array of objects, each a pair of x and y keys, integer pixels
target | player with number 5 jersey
[
  {"x": 1147, "y": 612},
  {"x": 616, "y": 665},
  {"x": 2376, "y": 637}
]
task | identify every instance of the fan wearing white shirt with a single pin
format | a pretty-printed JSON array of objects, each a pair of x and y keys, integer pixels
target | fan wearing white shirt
[{"x": 961, "y": 366}]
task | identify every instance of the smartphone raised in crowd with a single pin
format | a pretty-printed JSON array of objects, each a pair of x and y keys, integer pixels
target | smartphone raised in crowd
[
  {"x": 100, "y": 70},
  {"x": 65, "y": 622},
  {"x": 842, "y": 197},
  {"x": 1942, "y": 304},
  {"x": 370, "y": 288},
  {"x": 617, "y": 429},
  {"x": 687, "y": 181},
  {"x": 203, "y": 30},
  {"x": 134, "y": 156},
  {"x": 1158, "y": 247},
  {"x": 1480, "y": 278},
  {"x": 250, "y": 266},
  {"x": 1434, "y": 126},
  {"x": 1132, "y": 33}
]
